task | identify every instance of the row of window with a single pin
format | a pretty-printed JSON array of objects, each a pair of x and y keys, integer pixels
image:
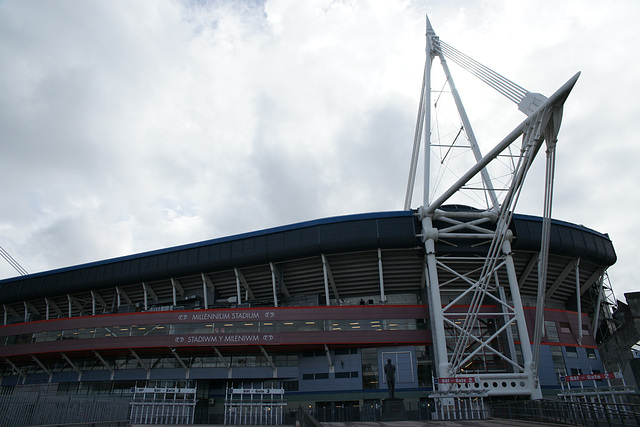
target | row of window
[
  {"x": 325, "y": 375},
  {"x": 322, "y": 353},
  {"x": 218, "y": 328}
]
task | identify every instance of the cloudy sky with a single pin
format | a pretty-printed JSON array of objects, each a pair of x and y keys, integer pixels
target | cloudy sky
[{"x": 128, "y": 126}]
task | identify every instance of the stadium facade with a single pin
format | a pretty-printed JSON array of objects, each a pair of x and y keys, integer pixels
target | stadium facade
[{"x": 314, "y": 309}]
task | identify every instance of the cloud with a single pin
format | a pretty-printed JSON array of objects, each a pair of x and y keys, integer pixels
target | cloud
[{"x": 130, "y": 126}]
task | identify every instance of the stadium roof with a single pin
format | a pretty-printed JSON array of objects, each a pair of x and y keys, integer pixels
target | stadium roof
[{"x": 343, "y": 234}]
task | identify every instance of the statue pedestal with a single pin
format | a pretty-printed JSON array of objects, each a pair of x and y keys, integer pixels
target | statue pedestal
[{"x": 393, "y": 409}]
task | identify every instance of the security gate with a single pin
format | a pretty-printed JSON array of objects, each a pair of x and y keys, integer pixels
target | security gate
[
  {"x": 163, "y": 405},
  {"x": 254, "y": 406}
]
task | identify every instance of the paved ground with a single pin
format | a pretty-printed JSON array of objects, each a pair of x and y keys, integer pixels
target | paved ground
[
  {"x": 468, "y": 423},
  {"x": 448, "y": 423}
]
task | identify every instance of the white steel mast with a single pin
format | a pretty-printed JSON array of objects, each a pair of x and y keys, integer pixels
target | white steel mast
[{"x": 463, "y": 340}]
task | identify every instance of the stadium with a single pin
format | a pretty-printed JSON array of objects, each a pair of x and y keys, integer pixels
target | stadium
[
  {"x": 470, "y": 304},
  {"x": 311, "y": 308}
]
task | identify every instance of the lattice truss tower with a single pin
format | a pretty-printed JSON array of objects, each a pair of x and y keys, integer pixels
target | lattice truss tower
[{"x": 491, "y": 183}]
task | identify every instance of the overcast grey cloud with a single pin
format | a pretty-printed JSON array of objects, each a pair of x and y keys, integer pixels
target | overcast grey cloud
[{"x": 128, "y": 126}]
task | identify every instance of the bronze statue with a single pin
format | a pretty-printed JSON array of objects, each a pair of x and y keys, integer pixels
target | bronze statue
[{"x": 390, "y": 373}]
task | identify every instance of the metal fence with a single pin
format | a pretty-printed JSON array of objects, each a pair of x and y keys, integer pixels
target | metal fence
[
  {"x": 42, "y": 408},
  {"x": 575, "y": 413},
  {"x": 369, "y": 413}
]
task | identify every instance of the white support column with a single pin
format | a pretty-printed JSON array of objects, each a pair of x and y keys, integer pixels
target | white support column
[
  {"x": 118, "y": 296},
  {"x": 173, "y": 292},
  {"x": 47, "y": 309},
  {"x": 383, "y": 297},
  {"x": 426, "y": 197},
  {"x": 237, "y": 273},
  {"x": 543, "y": 265},
  {"x": 274, "y": 283},
  {"x": 579, "y": 303},
  {"x": 26, "y": 311},
  {"x": 435, "y": 306},
  {"x": 6, "y": 314},
  {"x": 93, "y": 304},
  {"x": 205, "y": 296},
  {"x": 326, "y": 279},
  {"x": 208, "y": 285},
  {"x": 69, "y": 302},
  {"x": 423, "y": 125},
  {"x": 145, "y": 296},
  {"x": 205, "y": 293},
  {"x": 523, "y": 332}
]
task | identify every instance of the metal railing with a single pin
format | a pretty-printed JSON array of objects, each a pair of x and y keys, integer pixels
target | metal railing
[
  {"x": 369, "y": 413},
  {"x": 42, "y": 408},
  {"x": 121, "y": 423},
  {"x": 576, "y": 413}
]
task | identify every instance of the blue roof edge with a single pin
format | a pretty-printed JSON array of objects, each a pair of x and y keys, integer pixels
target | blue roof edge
[
  {"x": 295, "y": 226},
  {"x": 299, "y": 225}
]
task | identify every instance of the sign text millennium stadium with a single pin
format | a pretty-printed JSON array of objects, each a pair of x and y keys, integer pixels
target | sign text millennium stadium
[{"x": 227, "y": 315}]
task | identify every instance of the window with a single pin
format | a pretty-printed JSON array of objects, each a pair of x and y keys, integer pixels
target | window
[
  {"x": 319, "y": 376},
  {"x": 572, "y": 352},
  {"x": 353, "y": 374},
  {"x": 565, "y": 327},
  {"x": 551, "y": 331},
  {"x": 342, "y": 351},
  {"x": 585, "y": 329},
  {"x": 591, "y": 353}
]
